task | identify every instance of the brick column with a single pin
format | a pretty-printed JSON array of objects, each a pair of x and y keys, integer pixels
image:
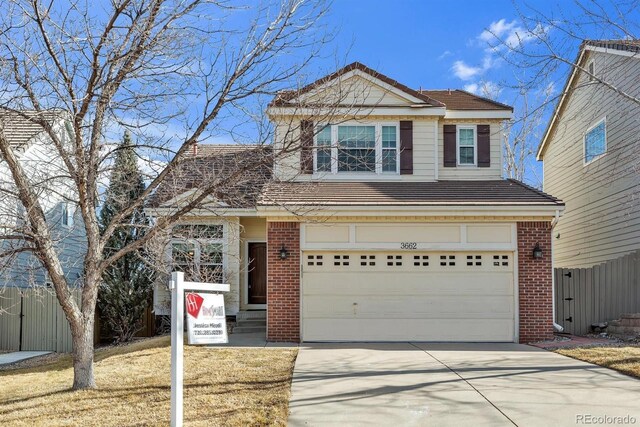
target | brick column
[
  {"x": 283, "y": 282},
  {"x": 535, "y": 282}
]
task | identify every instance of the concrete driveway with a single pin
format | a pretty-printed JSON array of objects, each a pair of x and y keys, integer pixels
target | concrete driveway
[{"x": 455, "y": 385}]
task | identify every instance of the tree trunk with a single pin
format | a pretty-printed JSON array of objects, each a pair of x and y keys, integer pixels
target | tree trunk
[{"x": 82, "y": 335}]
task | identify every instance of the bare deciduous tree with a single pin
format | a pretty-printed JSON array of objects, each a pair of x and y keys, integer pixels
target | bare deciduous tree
[
  {"x": 544, "y": 51},
  {"x": 172, "y": 72}
]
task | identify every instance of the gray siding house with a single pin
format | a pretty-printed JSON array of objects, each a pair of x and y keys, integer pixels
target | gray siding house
[
  {"x": 591, "y": 156},
  {"x": 30, "y": 316}
]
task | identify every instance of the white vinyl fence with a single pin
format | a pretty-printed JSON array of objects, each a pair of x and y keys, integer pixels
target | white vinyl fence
[{"x": 31, "y": 319}]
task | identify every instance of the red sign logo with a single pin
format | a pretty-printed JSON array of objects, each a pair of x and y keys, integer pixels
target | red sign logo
[{"x": 194, "y": 303}]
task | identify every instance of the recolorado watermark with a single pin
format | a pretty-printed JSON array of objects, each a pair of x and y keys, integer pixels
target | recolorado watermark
[{"x": 590, "y": 419}]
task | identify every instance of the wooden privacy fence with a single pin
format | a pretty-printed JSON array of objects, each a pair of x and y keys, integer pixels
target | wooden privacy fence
[
  {"x": 31, "y": 319},
  {"x": 597, "y": 294}
]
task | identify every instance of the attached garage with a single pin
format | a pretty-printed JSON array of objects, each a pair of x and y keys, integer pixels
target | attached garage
[{"x": 408, "y": 296}]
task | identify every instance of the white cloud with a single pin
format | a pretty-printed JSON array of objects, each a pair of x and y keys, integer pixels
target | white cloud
[
  {"x": 503, "y": 34},
  {"x": 464, "y": 71},
  {"x": 488, "y": 89},
  {"x": 445, "y": 54},
  {"x": 471, "y": 87},
  {"x": 498, "y": 29}
]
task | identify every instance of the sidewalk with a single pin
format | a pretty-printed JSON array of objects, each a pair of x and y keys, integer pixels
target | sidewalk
[{"x": 19, "y": 356}]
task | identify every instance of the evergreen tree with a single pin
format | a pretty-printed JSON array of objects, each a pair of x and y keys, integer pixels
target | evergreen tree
[{"x": 128, "y": 283}]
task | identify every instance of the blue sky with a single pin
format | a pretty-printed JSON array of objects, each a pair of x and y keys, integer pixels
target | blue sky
[
  {"x": 416, "y": 42},
  {"x": 440, "y": 44}
]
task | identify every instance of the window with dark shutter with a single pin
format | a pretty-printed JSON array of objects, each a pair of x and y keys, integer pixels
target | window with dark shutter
[
  {"x": 449, "y": 146},
  {"x": 306, "y": 146},
  {"x": 406, "y": 147},
  {"x": 484, "y": 146}
]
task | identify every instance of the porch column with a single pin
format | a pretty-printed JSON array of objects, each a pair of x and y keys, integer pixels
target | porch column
[{"x": 283, "y": 282}]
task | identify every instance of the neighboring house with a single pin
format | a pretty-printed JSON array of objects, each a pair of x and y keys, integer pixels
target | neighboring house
[
  {"x": 39, "y": 323},
  {"x": 591, "y": 154},
  {"x": 391, "y": 223}
]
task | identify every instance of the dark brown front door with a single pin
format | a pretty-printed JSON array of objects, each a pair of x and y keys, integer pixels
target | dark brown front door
[{"x": 257, "y": 273}]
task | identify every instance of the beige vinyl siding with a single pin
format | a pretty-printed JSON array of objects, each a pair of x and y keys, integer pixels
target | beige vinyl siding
[
  {"x": 355, "y": 91},
  {"x": 472, "y": 172},
  {"x": 602, "y": 219}
]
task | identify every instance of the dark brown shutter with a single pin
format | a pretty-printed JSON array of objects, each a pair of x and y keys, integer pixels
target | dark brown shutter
[
  {"x": 484, "y": 147},
  {"x": 406, "y": 147},
  {"x": 450, "y": 146},
  {"x": 306, "y": 146}
]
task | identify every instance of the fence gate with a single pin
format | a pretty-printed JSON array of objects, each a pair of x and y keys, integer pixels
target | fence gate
[
  {"x": 565, "y": 300},
  {"x": 32, "y": 319},
  {"x": 598, "y": 294}
]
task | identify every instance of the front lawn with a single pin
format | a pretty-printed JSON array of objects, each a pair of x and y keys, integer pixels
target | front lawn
[
  {"x": 223, "y": 386},
  {"x": 622, "y": 359}
]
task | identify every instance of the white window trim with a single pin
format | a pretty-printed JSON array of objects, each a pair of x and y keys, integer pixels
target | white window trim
[
  {"x": 68, "y": 214},
  {"x": 378, "y": 149},
  {"x": 475, "y": 145},
  {"x": 197, "y": 242},
  {"x": 584, "y": 142}
]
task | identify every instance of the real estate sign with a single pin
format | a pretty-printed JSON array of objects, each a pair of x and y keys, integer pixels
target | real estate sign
[{"x": 206, "y": 322}]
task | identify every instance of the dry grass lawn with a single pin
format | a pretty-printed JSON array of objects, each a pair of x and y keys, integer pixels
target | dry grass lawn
[
  {"x": 622, "y": 359},
  {"x": 223, "y": 386}
]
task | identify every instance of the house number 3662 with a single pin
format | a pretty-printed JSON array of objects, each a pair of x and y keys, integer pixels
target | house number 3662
[{"x": 408, "y": 245}]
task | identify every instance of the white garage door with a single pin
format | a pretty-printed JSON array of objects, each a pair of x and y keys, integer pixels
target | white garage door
[{"x": 426, "y": 296}]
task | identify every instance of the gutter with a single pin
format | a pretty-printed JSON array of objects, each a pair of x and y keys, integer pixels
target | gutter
[{"x": 556, "y": 326}]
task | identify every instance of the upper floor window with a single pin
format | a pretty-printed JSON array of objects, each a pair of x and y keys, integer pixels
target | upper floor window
[
  {"x": 357, "y": 148},
  {"x": 591, "y": 71},
  {"x": 467, "y": 145},
  {"x": 595, "y": 141},
  {"x": 68, "y": 211}
]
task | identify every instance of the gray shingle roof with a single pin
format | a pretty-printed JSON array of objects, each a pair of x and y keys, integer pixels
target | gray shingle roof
[
  {"x": 238, "y": 173},
  {"x": 19, "y": 127},
  {"x": 456, "y": 99},
  {"x": 628, "y": 45}
]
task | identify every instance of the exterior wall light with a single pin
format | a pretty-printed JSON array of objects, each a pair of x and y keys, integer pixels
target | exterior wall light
[
  {"x": 284, "y": 253},
  {"x": 537, "y": 251}
]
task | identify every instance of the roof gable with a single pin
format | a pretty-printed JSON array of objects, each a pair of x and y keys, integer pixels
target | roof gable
[{"x": 346, "y": 74}]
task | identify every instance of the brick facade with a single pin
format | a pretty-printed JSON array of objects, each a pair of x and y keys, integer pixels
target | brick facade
[
  {"x": 535, "y": 282},
  {"x": 283, "y": 282}
]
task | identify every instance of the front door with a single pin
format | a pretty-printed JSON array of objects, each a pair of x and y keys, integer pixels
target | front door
[{"x": 257, "y": 273}]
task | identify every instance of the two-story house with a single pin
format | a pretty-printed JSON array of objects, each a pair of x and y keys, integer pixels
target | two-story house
[
  {"x": 590, "y": 152},
  {"x": 384, "y": 217},
  {"x": 30, "y": 317}
]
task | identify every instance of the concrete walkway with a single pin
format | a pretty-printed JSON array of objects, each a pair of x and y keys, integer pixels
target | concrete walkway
[
  {"x": 254, "y": 339},
  {"x": 453, "y": 385},
  {"x": 19, "y": 356}
]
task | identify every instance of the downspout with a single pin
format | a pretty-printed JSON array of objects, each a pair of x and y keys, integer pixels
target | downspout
[{"x": 553, "y": 276}]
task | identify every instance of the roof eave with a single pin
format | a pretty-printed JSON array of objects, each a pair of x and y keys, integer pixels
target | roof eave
[
  {"x": 556, "y": 111},
  {"x": 493, "y": 210}
]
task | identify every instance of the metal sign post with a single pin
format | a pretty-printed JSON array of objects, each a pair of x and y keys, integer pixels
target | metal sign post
[{"x": 178, "y": 286}]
